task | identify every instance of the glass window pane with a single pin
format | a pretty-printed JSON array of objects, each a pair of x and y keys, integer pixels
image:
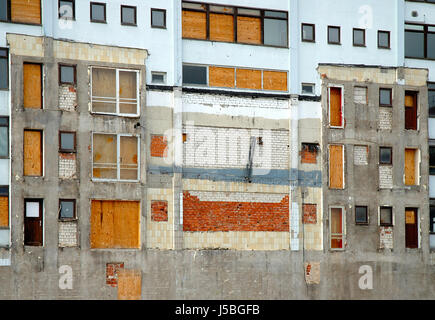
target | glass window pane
[
  {"x": 4, "y": 145},
  {"x": 158, "y": 18},
  {"x": 275, "y": 14},
  {"x": 221, "y": 9},
  {"x": 414, "y": 44},
  {"x": 248, "y": 12},
  {"x": 275, "y": 32},
  {"x": 308, "y": 32},
  {"x": 432, "y": 219},
  {"x": 431, "y": 45},
  {"x": 432, "y": 160},
  {"x": 4, "y": 10},
  {"x": 4, "y": 83},
  {"x": 32, "y": 209},
  {"x": 66, "y": 9},
  {"x": 385, "y": 97},
  {"x": 67, "y": 209},
  {"x": 333, "y": 35},
  {"x": 431, "y": 94},
  {"x": 385, "y": 155},
  {"x": 386, "y": 217},
  {"x": 384, "y": 39},
  {"x": 358, "y": 37},
  {"x": 67, "y": 140},
  {"x": 97, "y": 12},
  {"x": 66, "y": 74},
  {"x": 194, "y": 75},
  {"x": 128, "y": 15},
  {"x": 196, "y": 6},
  {"x": 361, "y": 214},
  {"x": 414, "y": 27}
]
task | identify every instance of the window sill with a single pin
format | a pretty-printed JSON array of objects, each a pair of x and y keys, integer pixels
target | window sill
[
  {"x": 360, "y": 45},
  {"x": 335, "y": 43},
  {"x": 96, "y": 21},
  {"x": 114, "y": 180},
  {"x": 129, "y": 24},
  {"x": 309, "y": 41},
  {"x": 158, "y": 27},
  {"x": 385, "y": 48},
  {"x": 68, "y": 220}
]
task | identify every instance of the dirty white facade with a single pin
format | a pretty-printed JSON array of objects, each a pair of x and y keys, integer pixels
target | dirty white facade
[{"x": 218, "y": 149}]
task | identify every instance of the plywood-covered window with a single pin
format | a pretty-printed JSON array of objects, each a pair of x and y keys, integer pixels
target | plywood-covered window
[
  {"x": 274, "y": 80},
  {"x": 248, "y": 79},
  {"x": 337, "y": 228},
  {"x": 411, "y": 227},
  {"x": 32, "y": 153},
  {"x": 411, "y": 167},
  {"x": 4, "y": 207},
  {"x": 115, "y": 91},
  {"x": 32, "y": 85},
  {"x": 222, "y": 77},
  {"x": 249, "y": 26},
  {"x": 115, "y": 224},
  {"x": 336, "y": 107},
  {"x": 21, "y": 11},
  {"x": 115, "y": 157},
  {"x": 336, "y": 167},
  {"x": 221, "y": 23},
  {"x": 410, "y": 110},
  {"x": 194, "y": 21}
]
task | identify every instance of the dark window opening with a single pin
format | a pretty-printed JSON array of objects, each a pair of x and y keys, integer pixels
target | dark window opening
[
  {"x": 361, "y": 216},
  {"x": 431, "y": 95},
  {"x": 67, "y": 209},
  {"x": 333, "y": 35},
  {"x": 128, "y": 15},
  {"x": 419, "y": 41},
  {"x": 308, "y": 32},
  {"x": 386, "y": 216},
  {"x": 158, "y": 18},
  {"x": 385, "y": 155},
  {"x": 98, "y": 12},
  {"x": 359, "y": 37},
  {"x": 410, "y": 110},
  {"x": 432, "y": 160},
  {"x": 4, "y": 137},
  {"x": 4, "y": 69},
  {"x": 384, "y": 39},
  {"x": 194, "y": 75}
]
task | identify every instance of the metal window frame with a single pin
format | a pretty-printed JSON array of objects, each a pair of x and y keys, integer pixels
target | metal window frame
[
  {"x": 105, "y": 12},
  {"x": 389, "y": 39},
  {"x": 364, "y": 37},
  {"x": 339, "y": 35},
  {"x": 117, "y": 98},
  {"x": 118, "y": 160},
  {"x": 302, "y": 32},
  {"x": 425, "y": 33},
  {"x": 164, "y": 18},
  {"x": 134, "y": 24},
  {"x": 391, "y": 155}
]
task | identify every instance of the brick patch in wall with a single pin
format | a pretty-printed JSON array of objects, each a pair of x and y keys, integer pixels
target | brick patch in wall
[
  {"x": 385, "y": 118},
  {"x": 360, "y": 155},
  {"x": 67, "y": 166},
  {"x": 67, "y": 234},
  {"x": 158, "y": 146},
  {"x": 112, "y": 270},
  {"x": 310, "y": 213},
  {"x": 309, "y": 153},
  {"x": 234, "y": 216},
  {"x": 67, "y": 97},
  {"x": 385, "y": 177},
  {"x": 159, "y": 210},
  {"x": 312, "y": 272},
  {"x": 386, "y": 237}
]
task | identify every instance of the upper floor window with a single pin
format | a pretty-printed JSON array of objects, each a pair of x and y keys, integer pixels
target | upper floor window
[
  {"x": 333, "y": 35},
  {"x": 128, "y": 15},
  {"x": 384, "y": 39},
  {"x": 308, "y": 32},
  {"x": 115, "y": 91},
  {"x": 4, "y": 137},
  {"x": 20, "y": 11},
  {"x": 431, "y": 95},
  {"x": 67, "y": 74},
  {"x": 359, "y": 37},
  {"x": 4, "y": 69},
  {"x": 66, "y": 9},
  {"x": 158, "y": 18},
  {"x": 385, "y": 97},
  {"x": 419, "y": 41},
  {"x": 98, "y": 12},
  {"x": 233, "y": 24}
]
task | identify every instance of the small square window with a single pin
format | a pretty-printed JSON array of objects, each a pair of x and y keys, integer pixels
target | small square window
[
  {"x": 66, "y": 9},
  {"x": 128, "y": 15},
  {"x": 67, "y": 141},
  {"x": 385, "y": 155},
  {"x": 158, "y": 18},
  {"x": 67, "y": 74},
  {"x": 67, "y": 209},
  {"x": 307, "y": 88},
  {"x": 333, "y": 35},
  {"x": 158, "y": 77},
  {"x": 385, "y": 97},
  {"x": 361, "y": 216},
  {"x": 98, "y": 12},
  {"x": 359, "y": 37},
  {"x": 384, "y": 39},
  {"x": 308, "y": 32},
  {"x": 386, "y": 216}
]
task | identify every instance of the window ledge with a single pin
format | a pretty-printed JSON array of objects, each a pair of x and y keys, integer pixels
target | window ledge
[{"x": 242, "y": 43}]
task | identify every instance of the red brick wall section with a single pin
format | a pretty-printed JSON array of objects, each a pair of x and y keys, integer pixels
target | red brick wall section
[
  {"x": 159, "y": 210},
  {"x": 158, "y": 146},
  {"x": 112, "y": 270},
  {"x": 308, "y": 156},
  {"x": 310, "y": 213},
  {"x": 234, "y": 216}
]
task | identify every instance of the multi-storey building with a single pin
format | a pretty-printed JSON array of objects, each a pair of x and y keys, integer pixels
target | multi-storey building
[{"x": 216, "y": 149}]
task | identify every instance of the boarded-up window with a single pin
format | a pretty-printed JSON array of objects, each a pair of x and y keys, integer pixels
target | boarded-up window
[
  {"x": 411, "y": 171},
  {"x": 411, "y": 110},
  {"x": 336, "y": 174},
  {"x": 32, "y": 85},
  {"x": 248, "y": 79},
  {"x": 221, "y": 27},
  {"x": 26, "y": 11},
  {"x": 249, "y": 30},
  {"x": 115, "y": 224},
  {"x": 4, "y": 210},
  {"x": 129, "y": 284},
  {"x": 274, "y": 80},
  {"x": 337, "y": 228},
  {"x": 32, "y": 153},
  {"x": 360, "y": 95},
  {"x": 194, "y": 25},
  {"x": 335, "y": 107},
  {"x": 221, "y": 77},
  {"x": 106, "y": 99},
  {"x": 115, "y": 157},
  {"x": 411, "y": 227}
]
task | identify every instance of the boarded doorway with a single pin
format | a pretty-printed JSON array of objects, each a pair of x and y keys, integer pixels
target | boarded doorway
[
  {"x": 411, "y": 227},
  {"x": 33, "y": 227}
]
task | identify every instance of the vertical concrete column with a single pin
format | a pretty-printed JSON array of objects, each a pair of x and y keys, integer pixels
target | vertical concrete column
[{"x": 294, "y": 173}]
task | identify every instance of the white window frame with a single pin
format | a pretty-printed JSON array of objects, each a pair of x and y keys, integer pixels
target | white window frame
[
  {"x": 118, "y": 158},
  {"x": 417, "y": 168},
  {"x": 342, "y": 105},
  {"x": 117, "y": 98},
  {"x": 343, "y": 221}
]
